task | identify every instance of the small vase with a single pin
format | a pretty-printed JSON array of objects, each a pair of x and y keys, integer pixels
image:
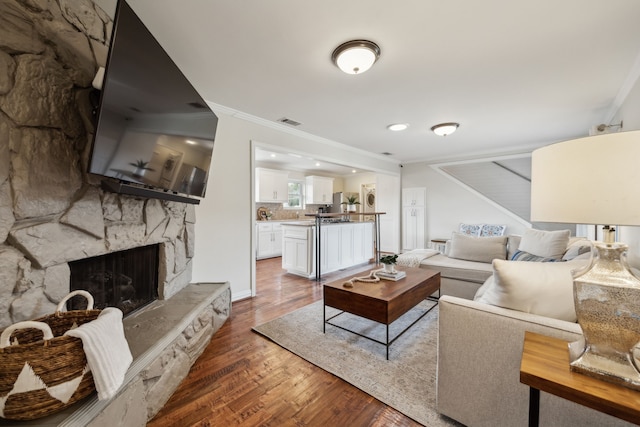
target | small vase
[{"x": 389, "y": 268}]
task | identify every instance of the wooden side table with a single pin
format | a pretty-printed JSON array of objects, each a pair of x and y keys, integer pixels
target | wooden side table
[
  {"x": 438, "y": 244},
  {"x": 545, "y": 367}
]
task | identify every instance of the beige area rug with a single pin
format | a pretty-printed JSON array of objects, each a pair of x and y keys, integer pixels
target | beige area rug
[{"x": 405, "y": 382}]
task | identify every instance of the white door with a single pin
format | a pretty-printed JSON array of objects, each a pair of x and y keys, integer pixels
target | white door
[{"x": 413, "y": 226}]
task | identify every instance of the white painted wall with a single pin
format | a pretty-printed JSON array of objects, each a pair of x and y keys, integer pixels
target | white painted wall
[
  {"x": 629, "y": 112},
  {"x": 353, "y": 183},
  {"x": 449, "y": 204},
  {"x": 225, "y": 218}
]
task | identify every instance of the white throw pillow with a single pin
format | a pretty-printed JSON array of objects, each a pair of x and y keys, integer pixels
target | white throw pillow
[
  {"x": 543, "y": 288},
  {"x": 482, "y": 289},
  {"x": 480, "y": 249},
  {"x": 548, "y": 244}
]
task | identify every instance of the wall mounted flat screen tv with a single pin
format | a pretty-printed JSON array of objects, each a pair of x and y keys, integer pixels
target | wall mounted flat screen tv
[{"x": 153, "y": 130}]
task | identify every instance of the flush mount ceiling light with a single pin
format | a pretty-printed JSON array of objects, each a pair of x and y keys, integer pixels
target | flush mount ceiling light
[
  {"x": 396, "y": 127},
  {"x": 356, "y": 56},
  {"x": 444, "y": 129}
]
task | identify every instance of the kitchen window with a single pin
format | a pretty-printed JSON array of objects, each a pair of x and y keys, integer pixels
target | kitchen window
[{"x": 295, "y": 194}]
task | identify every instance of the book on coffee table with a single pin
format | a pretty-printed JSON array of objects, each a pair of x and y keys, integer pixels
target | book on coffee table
[{"x": 391, "y": 276}]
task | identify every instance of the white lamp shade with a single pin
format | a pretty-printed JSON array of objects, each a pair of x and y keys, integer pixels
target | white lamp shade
[{"x": 592, "y": 180}]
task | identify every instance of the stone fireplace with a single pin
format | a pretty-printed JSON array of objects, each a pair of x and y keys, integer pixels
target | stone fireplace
[
  {"x": 124, "y": 279},
  {"x": 53, "y": 214}
]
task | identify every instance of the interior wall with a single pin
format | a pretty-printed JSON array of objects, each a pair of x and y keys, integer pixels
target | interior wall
[
  {"x": 353, "y": 183},
  {"x": 449, "y": 204},
  {"x": 224, "y": 231},
  {"x": 629, "y": 112}
]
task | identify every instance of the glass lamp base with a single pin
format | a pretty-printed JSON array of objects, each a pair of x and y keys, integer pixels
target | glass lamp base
[{"x": 607, "y": 301}]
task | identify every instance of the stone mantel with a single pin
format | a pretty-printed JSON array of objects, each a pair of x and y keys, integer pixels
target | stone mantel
[{"x": 51, "y": 211}]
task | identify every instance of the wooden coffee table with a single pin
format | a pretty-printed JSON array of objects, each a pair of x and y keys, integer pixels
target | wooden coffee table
[{"x": 383, "y": 302}]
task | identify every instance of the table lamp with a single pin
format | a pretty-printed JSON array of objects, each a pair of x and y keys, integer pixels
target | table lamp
[{"x": 596, "y": 180}]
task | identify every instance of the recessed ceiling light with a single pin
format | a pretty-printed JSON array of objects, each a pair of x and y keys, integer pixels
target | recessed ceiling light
[
  {"x": 353, "y": 171},
  {"x": 317, "y": 163},
  {"x": 396, "y": 127},
  {"x": 273, "y": 155},
  {"x": 444, "y": 129},
  {"x": 188, "y": 141}
]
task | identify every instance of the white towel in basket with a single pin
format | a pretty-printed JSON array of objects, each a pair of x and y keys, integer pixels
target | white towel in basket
[{"x": 107, "y": 350}]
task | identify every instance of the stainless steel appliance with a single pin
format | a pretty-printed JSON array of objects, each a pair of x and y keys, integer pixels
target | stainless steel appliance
[{"x": 337, "y": 206}]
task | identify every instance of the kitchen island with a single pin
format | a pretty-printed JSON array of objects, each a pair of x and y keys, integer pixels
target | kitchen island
[{"x": 328, "y": 242}]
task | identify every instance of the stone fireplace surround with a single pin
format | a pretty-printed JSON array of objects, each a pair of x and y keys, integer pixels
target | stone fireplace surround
[{"x": 52, "y": 212}]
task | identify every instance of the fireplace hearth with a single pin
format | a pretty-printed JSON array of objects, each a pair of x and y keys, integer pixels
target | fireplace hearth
[{"x": 126, "y": 279}]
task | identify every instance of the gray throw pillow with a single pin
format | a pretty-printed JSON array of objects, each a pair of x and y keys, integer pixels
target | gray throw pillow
[{"x": 480, "y": 249}]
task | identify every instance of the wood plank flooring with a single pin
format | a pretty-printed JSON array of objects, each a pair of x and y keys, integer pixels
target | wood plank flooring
[{"x": 244, "y": 379}]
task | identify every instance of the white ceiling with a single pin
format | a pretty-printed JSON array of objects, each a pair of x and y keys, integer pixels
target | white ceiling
[
  {"x": 302, "y": 163},
  {"x": 515, "y": 75}
]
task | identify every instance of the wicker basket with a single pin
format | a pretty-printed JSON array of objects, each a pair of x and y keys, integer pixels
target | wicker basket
[{"x": 37, "y": 362}]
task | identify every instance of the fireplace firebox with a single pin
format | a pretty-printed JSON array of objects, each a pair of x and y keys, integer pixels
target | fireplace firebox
[{"x": 125, "y": 279}]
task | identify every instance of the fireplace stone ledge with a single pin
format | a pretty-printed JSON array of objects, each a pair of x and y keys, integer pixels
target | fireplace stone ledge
[{"x": 165, "y": 338}]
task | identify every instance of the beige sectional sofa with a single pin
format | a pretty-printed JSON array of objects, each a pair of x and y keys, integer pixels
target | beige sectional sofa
[
  {"x": 462, "y": 278},
  {"x": 480, "y": 344},
  {"x": 478, "y": 377}
]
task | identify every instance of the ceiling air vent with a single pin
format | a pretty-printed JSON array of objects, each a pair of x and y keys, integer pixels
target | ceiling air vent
[{"x": 289, "y": 122}]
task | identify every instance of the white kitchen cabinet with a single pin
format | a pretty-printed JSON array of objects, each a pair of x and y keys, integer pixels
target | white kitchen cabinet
[
  {"x": 318, "y": 190},
  {"x": 331, "y": 247},
  {"x": 272, "y": 186},
  {"x": 347, "y": 245},
  {"x": 362, "y": 243},
  {"x": 413, "y": 218},
  {"x": 297, "y": 250},
  {"x": 269, "y": 242},
  {"x": 341, "y": 246}
]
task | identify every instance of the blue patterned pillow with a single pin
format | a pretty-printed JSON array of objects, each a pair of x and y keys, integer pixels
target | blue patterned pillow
[
  {"x": 471, "y": 229},
  {"x": 526, "y": 256},
  {"x": 492, "y": 230}
]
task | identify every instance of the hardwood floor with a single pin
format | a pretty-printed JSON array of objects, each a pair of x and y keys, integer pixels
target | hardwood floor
[{"x": 244, "y": 379}]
